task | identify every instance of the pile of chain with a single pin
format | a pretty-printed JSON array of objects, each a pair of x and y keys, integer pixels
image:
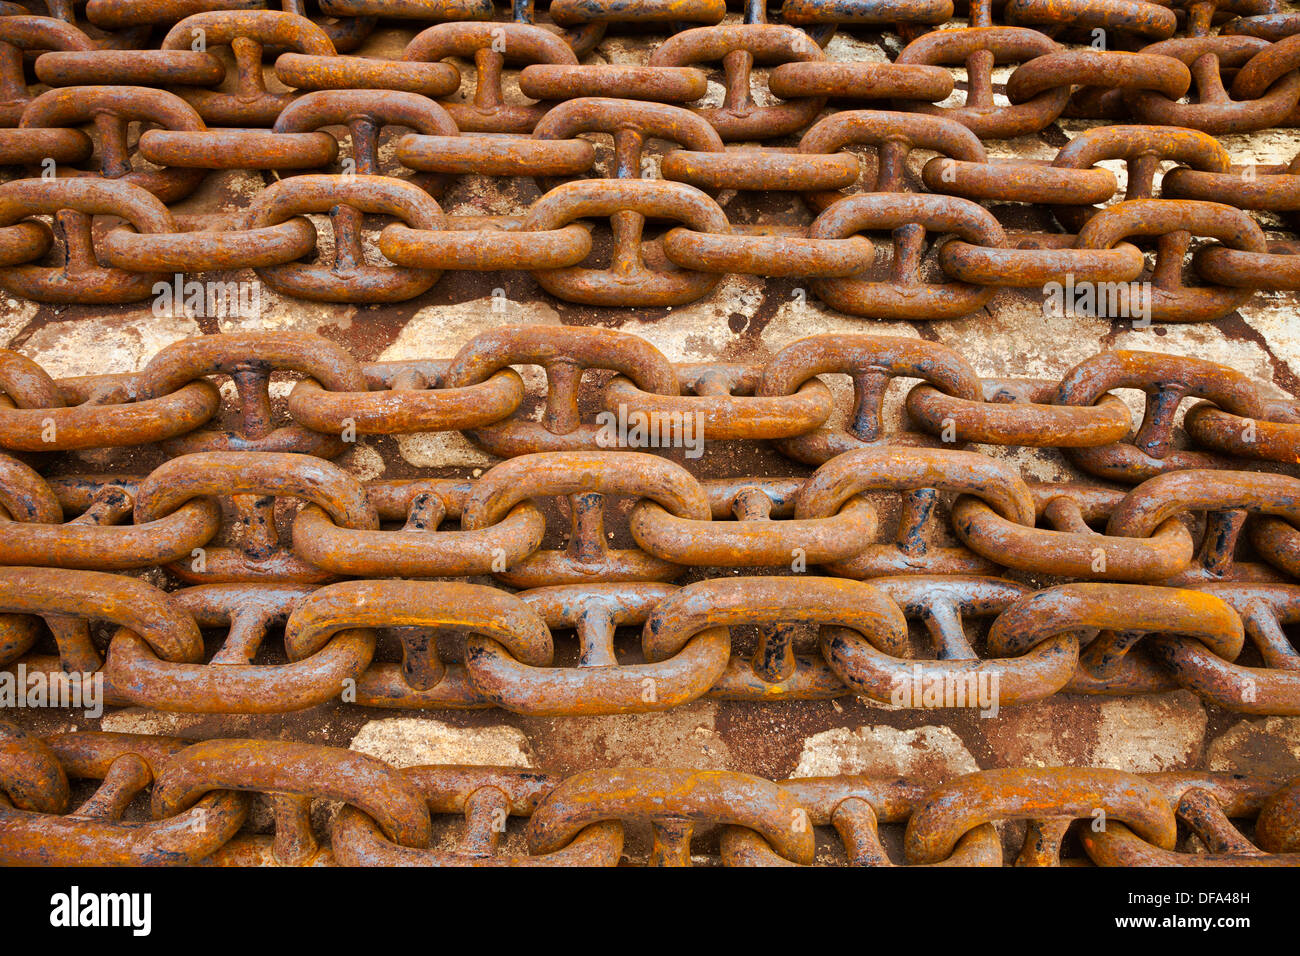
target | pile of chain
[
  {"x": 1205, "y": 618},
  {"x": 242, "y": 571},
  {"x": 120, "y": 238},
  {"x": 197, "y": 809}
]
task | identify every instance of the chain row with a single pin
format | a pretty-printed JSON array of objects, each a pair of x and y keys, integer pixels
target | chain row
[
  {"x": 1095, "y": 273},
  {"x": 198, "y": 796},
  {"x": 290, "y": 133},
  {"x": 1257, "y": 56},
  {"x": 115, "y": 23},
  {"x": 172, "y": 518},
  {"x": 648, "y": 402},
  {"x": 1243, "y": 82},
  {"x": 1190, "y": 638}
]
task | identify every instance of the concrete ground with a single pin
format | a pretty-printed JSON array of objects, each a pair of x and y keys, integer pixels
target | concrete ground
[{"x": 744, "y": 319}]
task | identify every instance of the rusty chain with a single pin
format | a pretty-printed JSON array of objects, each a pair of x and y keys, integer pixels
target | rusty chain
[
  {"x": 243, "y": 571},
  {"x": 198, "y": 797},
  {"x": 1086, "y": 588},
  {"x": 200, "y": 112}
]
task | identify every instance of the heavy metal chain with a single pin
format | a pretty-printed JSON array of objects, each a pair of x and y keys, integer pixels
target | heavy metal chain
[
  {"x": 198, "y": 799},
  {"x": 1156, "y": 596},
  {"x": 241, "y": 571},
  {"x": 783, "y": 401},
  {"x": 120, "y": 238}
]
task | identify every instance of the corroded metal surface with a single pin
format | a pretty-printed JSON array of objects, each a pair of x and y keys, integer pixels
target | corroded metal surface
[
  {"x": 197, "y": 803},
  {"x": 691, "y": 545}
]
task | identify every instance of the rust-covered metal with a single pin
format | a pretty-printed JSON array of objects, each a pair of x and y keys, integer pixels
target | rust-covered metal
[
  {"x": 206, "y": 532},
  {"x": 198, "y": 796}
]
